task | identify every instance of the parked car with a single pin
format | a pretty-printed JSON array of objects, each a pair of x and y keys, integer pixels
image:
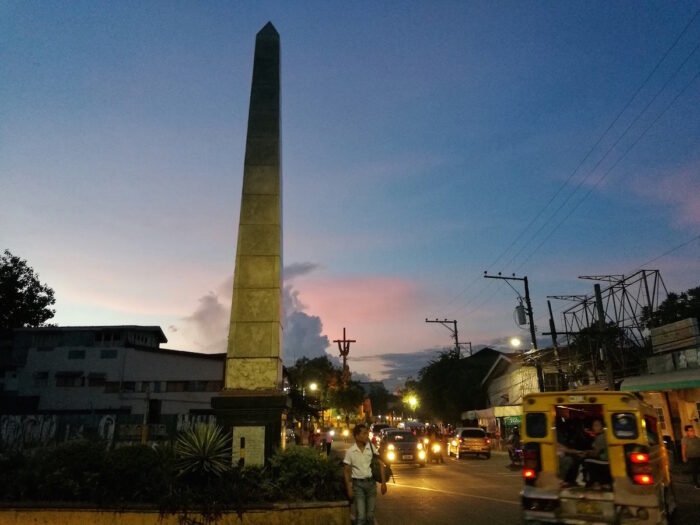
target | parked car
[
  {"x": 469, "y": 440},
  {"x": 401, "y": 446}
]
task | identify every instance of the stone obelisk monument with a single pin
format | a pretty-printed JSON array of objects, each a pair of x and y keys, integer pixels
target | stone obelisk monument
[{"x": 253, "y": 403}]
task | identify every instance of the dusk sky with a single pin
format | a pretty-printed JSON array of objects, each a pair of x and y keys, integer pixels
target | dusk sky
[{"x": 422, "y": 143}]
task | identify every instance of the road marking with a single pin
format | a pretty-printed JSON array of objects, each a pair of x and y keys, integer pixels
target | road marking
[{"x": 456, "y": 493}]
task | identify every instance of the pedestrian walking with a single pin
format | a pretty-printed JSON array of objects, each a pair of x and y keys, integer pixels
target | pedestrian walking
[
  {"x": 329, "y": 441},
  {"x": 690, "y": 447},
  {"x": 359, "y": 483}
]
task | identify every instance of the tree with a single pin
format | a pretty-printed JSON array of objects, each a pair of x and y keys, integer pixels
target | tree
[
  {"x": 24, "y": 301},
  {"x": 675, "y": 307},
  {"x": 585, "y": 357},
  {"x": 448, "y": 386},
  {"x": 380, "y": 398},
  {"x": 347, "y": 399}
]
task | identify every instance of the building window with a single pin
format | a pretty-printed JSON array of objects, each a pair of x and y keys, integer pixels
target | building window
[
  {"x": 550, "y": 382},
  {"x": 111, "y": 387},
  {"x": 98, "y": 380},
  {"x": 76, "y": 354},
  {"x": 128, "y": 386},
  {"x": 41, "y": 379},
  {"x": 209, "y": 386},
  {"x": 108, "y": 354},
  {"x": 156, "y": 386},
  {"x": 176, "y": 386},
  {"x": 69, "y": 379}
]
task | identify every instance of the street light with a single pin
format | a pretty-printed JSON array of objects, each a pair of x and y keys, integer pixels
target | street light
[
  {"x": 515, "y": 342},
  {"x": 313, "y": 387}
]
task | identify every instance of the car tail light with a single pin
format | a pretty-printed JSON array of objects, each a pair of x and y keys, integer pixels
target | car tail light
[
  {"x": 531, "y": 462},
  {"x": 488, "y": 441},
  {"x": 638, "y": 466}
]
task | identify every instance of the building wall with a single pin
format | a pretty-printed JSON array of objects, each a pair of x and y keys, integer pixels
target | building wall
[
  {"x": 112, "y": 375},
  {"x": 510, "y": 387}
]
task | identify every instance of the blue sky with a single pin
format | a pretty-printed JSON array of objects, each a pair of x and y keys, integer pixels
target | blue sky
[{"x": 419, "y": 141}]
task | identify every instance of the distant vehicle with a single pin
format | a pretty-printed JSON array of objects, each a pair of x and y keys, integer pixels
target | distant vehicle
[
  {"x": 382, "y": 434},
  {"x": 374, "y": 431},
  {"x": 289, "y": 435},
  {"x": 469, "y": 440},
  {"x": 401, "y": 446}
]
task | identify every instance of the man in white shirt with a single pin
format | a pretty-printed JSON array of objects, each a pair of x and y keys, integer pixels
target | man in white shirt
[{"x": 359, "y": 482}]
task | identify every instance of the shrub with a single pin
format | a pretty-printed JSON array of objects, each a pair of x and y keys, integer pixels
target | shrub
[
  {"x": 67, "y": 472},
  {"x": 203, "y": 450},
  {"x": 301, "y": 473},
  {"x": 133, "y": 474},
  {"x": 13, "y": 472}
]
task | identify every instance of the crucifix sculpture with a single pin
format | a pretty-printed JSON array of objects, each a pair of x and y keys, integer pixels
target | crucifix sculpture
[{"x": 344, "y": 348}]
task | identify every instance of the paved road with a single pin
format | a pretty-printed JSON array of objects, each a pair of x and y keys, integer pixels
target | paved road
[
  {"x": 476, "y": 491},
  {"x": 468, "y": 490}
]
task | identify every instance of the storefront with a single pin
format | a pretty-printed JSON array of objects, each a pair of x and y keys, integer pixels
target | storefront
[
  {"x": 499, "y": 422},
  {"x": 675, "y": 395}
]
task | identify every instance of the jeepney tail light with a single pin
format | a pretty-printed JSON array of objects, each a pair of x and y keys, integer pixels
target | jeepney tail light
[
  {"x": 531, "y": 462},
  {"x": 639, "y": 457},
  {"x": 638, "y": 466},
  {"x": 643, "y": 479}
]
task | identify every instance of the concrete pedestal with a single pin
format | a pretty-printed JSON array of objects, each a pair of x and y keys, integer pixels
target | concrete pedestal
[{"x": 257, "y": 422}]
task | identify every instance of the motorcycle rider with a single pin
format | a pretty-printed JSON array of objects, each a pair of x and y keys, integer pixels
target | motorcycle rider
[{"x": 514, "y": 446}]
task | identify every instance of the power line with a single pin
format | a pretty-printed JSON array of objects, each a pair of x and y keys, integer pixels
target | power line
[
  {"x": 609, "y": 150},
  {"x": 610, "y": 126},
  {"x": 571, "y": 211},
  {"x": 583, "y": 160},
  {"x": 696, "y": 238}
]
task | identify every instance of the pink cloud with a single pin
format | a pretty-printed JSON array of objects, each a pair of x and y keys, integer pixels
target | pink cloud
[
  {"x": 679, "y": 190},
  {"x": 384, "y": 314}
]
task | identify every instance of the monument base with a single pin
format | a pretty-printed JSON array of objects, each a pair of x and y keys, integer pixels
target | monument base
[{"x": 257, "y": 421}]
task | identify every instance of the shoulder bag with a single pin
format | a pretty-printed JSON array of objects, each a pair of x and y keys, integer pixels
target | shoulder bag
[{"x": 376, "y": 467}]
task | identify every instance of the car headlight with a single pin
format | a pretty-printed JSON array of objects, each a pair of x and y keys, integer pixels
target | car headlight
[
  {"x": 426, "y": 440},
  {"x": 346, "y": 433},
  {"x": 421, "y": 455},
  {"x": 420, "y": 446},
  {"x": 390, "y": 456},
  {"x": 390, "y": 446},
  {"x": 436, "y": 448}
]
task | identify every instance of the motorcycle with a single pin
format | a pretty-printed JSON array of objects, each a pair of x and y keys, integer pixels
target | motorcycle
[
  {"x": 434, "y": 448},
  {"x": 515, "y": 454}
]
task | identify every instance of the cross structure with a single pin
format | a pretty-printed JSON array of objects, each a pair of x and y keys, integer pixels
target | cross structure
[{"x": 344, "y": 348}]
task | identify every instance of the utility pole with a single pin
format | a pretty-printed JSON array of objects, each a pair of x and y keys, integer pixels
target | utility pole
[
  {"x": 528, "y": 306},
  {"x": 144, "y": 426},
  {"x": 444, "y": 322},
  {"x": 604, "y": 344},
  {"x": 553, "y": 332}
]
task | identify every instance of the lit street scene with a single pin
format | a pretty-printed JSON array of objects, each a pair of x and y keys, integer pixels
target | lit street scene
[{"x": 349, "y": 263}]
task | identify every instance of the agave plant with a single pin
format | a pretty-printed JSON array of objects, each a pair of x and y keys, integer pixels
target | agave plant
[{"x": 203, "y": 450}]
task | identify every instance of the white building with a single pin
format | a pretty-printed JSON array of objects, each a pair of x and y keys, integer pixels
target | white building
[{"x": 119, "y": 371}]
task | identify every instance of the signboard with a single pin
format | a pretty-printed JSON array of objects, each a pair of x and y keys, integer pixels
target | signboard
[{"x": 676, "y": 336}]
